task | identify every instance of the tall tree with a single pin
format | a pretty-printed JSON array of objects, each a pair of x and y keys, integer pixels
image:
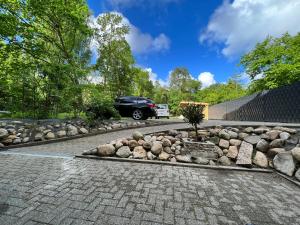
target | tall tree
[
  {"x": 179, "y": 79},
  {"x": 143, "y": 84},
  {"x": 273, "y": 62}
]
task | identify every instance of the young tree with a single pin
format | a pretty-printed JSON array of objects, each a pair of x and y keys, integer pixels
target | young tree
[{"x": 273, "y": 62}]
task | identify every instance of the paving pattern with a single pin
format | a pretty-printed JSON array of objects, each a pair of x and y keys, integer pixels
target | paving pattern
[{"x": 46, "y": 185}]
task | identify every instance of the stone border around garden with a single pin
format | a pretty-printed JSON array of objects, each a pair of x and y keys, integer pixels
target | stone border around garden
[
  {"x": 29, "y": 144},
  {"x": 191, "y": 165}
]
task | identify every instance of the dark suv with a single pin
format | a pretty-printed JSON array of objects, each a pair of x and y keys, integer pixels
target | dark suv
[{"x": 138, "y": 108}]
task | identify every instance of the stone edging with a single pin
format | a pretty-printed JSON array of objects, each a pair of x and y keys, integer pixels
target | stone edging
[
  {"x": 297, "y": 183},
  {"x": 29, "y": 144},
  {"x": 174, "y": 164}
]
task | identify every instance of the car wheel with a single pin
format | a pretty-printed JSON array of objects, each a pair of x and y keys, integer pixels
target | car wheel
[{"x": 137, "y": 114}]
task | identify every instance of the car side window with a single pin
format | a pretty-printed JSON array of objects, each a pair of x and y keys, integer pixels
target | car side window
[{"x": 126, "y": 100}]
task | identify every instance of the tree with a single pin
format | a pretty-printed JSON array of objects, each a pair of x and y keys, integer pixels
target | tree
[
  {"x": 143, "y": 86},
  {"x": 273, "y": 62},
  {"x": 179, "y": 79},
  {"x": 194, "y": 115}
]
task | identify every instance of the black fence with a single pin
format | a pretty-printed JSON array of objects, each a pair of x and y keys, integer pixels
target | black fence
[{"x": 277, "y": 105}]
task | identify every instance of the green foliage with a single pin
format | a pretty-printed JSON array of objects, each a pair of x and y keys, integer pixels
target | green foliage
[
  {"x": 143, "y": 86},
  {"x": 273, "y": 62},
  {"x": 193, "y": 114}
]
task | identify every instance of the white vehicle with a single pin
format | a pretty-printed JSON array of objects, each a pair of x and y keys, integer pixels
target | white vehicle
[{"x": 162, "y": 110}]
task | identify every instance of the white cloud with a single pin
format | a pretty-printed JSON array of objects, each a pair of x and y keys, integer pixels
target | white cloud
[
  {"x": 140, "y": 43},
  {"x": 206, "y": 79},
  {"x": 240, "y": 24}
]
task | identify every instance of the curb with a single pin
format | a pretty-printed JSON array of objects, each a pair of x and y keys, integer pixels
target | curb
[
  {"x": 190, "y": 165},
  {"x": 297, "y": 183},
  {"x": 29, "y": 144}
]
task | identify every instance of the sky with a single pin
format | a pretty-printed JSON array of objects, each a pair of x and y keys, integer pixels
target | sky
[{"x": 208, "y": 37}]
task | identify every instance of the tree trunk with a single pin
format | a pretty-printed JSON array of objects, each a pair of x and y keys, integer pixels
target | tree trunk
[{"x": 196, "y": 130}]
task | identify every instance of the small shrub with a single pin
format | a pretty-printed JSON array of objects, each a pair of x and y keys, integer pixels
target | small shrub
[{"x": 194, "y": 115}]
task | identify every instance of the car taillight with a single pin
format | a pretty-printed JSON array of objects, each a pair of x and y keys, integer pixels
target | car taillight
[{"x": 151, "y": 105}]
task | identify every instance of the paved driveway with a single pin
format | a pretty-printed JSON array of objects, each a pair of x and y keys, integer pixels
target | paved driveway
[{"x": 46, "y": 185}]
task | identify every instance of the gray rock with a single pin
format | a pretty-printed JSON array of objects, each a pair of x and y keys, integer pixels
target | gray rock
[
  {"x": 264, "y": 136},
  {"x": 147, "y": 145},
  {"x": 118, "y": 144},
  {"x": 224, "y": 134},
  {"x": 2, "y": 145},
  {"x": 173, "y": 159},
  {"x": 132, "y": 144},
  {"x": 17, "y": 141},
  {"x": 173, "y": 132},
  {"x": 38, "y": 137},
  {"x": 200, "y": 160},
  {"x": 212, "y": 163},
  {"x": 260, "y": 160},
  {"x": 150, "y": 156},
  {"x": 225, "y": 161},
  {"x": 47, "y": 131},
  {"x": 274, "y": 151},
  {"x": 101, "y": 129},
  {"x": 286, "y": 129},
  {"x": 61, "y": 133},
  {"x": 183, "y": 158},
  {"x": 156, "y": 148},
  {"x": 136, "y": 135},
  {"x": 232, "y": 152},
  {"x": 3, "y": 133},
  {"x": 124, "y": 152},
  {"x": 262, "y": 145},
  {"x": 139, "y": 153},
  {"x": 296, "y": 153},
  {"x": 82, "y": 130},
  {"x": 297, "y": 174},
  {"x": 224, "y": 143},
  {"x": 166, "y": 142},
  {"x": 248, "y": 129},
  {"x": 225, "y": 151},
  {"x": 252, "y": 139},
  {"x": 219, "y": 151},
  {"x": 25, "y": 139},
  {"x": 90, "y": 152},
  {"x": 244, "y": 157},
  {"x": 50, "y": 135},
  {"x": 292, "y": 141},
  {"x": 106, "y": 150},
  {"x": 214, "y": 140},
  {"x": 163, "y": 156},
  {"x": 168, "y": 150},
  {"x": 232, "y": 134},
  {"x": 147, "y": 138},
  {"x": 243, "y": 135},
  {"x": 235, "y": 142},
  {"x": 115, "y": 126},
  {"x": 273, "y": 134},
  {"x": 284, "y": 163},
  {"x": 261, "y": 130},
  {"x": 72, "y": 130},
  {"x": 277, "y": 143},
  {"x": 184, "y": 134},
  {"x": 284, "y": 135}
]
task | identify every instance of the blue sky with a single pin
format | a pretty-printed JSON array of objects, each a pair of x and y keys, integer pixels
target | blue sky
[{"x": 206, "y": 36}]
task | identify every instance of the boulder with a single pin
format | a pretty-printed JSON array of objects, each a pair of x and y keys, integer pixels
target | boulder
[
  {"x": 72, "y": 130},
  {"x": 183, "y": 158},
  {"x": 248, "y": 129},
  {"x": 3, "y": 133},
  {"x": 166, "y": 142},
  {"x": 214, "y": 140},
  {"x": 17, "y": 141},
  {"x": 232, "y": 152},
  {"x": 184, "y": 134},
  {"x": 106, "y": 150},
  {"x": 118, "y": 144},
  {"x": 224, "y": 143},
  {"x": 153, "y": 138},
  {"x": 225, "y": 151},
  {"x": 136, "y": 135},
  {"x": 284, "y": 163},
  {"x": 38, "y": 137},
  {"x": 141, "y": 142},
  {"x": 273, "y": 134},
  {"x": 168, "y": 150},
  {"x": 296, "y": 153},
  {"x": 277, "y": 143},
  {"x": 50, "y": 135},
  {"x": 286, "y": 129},
  {"x": 225, "y": 161},
  {"x": 274, "y": 151},
  {"x": 243, "y": 135},
  {"x": 232, "y": 134},
  {"x": 262, "y": 145},
  {"x": 264, "y": 136},
  {"x": 261, "y": 130},
  {"x": 82, "y": 130},
  {"x": 156, "y": 148},
  {"x": 90, "y": 152},
  {"x": 200, "y": 160},
  {"x": 132, "y": 144},
  {"x": 125, "y": 142},
  {"x": 147, "y": 145},
  {"x": 211, "y": 163},
  {"x": 173, "y": 132},
  {"x": 260, "y": 160},
  {"x": 284, "y": 135},
  {"x": 235, "y": 142},
  {"x": 139, "y": 153},
  {"x": 124, "y": 152},
  {"x": 297, "y": 174},
  {"x": 159, "y": 138},
  {"x": 150, "y": 156},
  {"x": 163, "y": 156},
  {"x": 2, "y": 145},
  {"x": 219, "y": 151},
  {"x": 147, "y": 138},
  {"x": 244, "y": 157},
  {"x": 224, "y": 134},
  {"x": 252, "y": 139},
  {"x": 61, "y": 133},
  {"x": 25, "y": 139}
]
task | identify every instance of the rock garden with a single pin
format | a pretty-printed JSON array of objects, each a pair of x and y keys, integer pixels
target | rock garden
[
  {"x": 20, "y": 132},
  {"x": 263, "y": 147}
]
